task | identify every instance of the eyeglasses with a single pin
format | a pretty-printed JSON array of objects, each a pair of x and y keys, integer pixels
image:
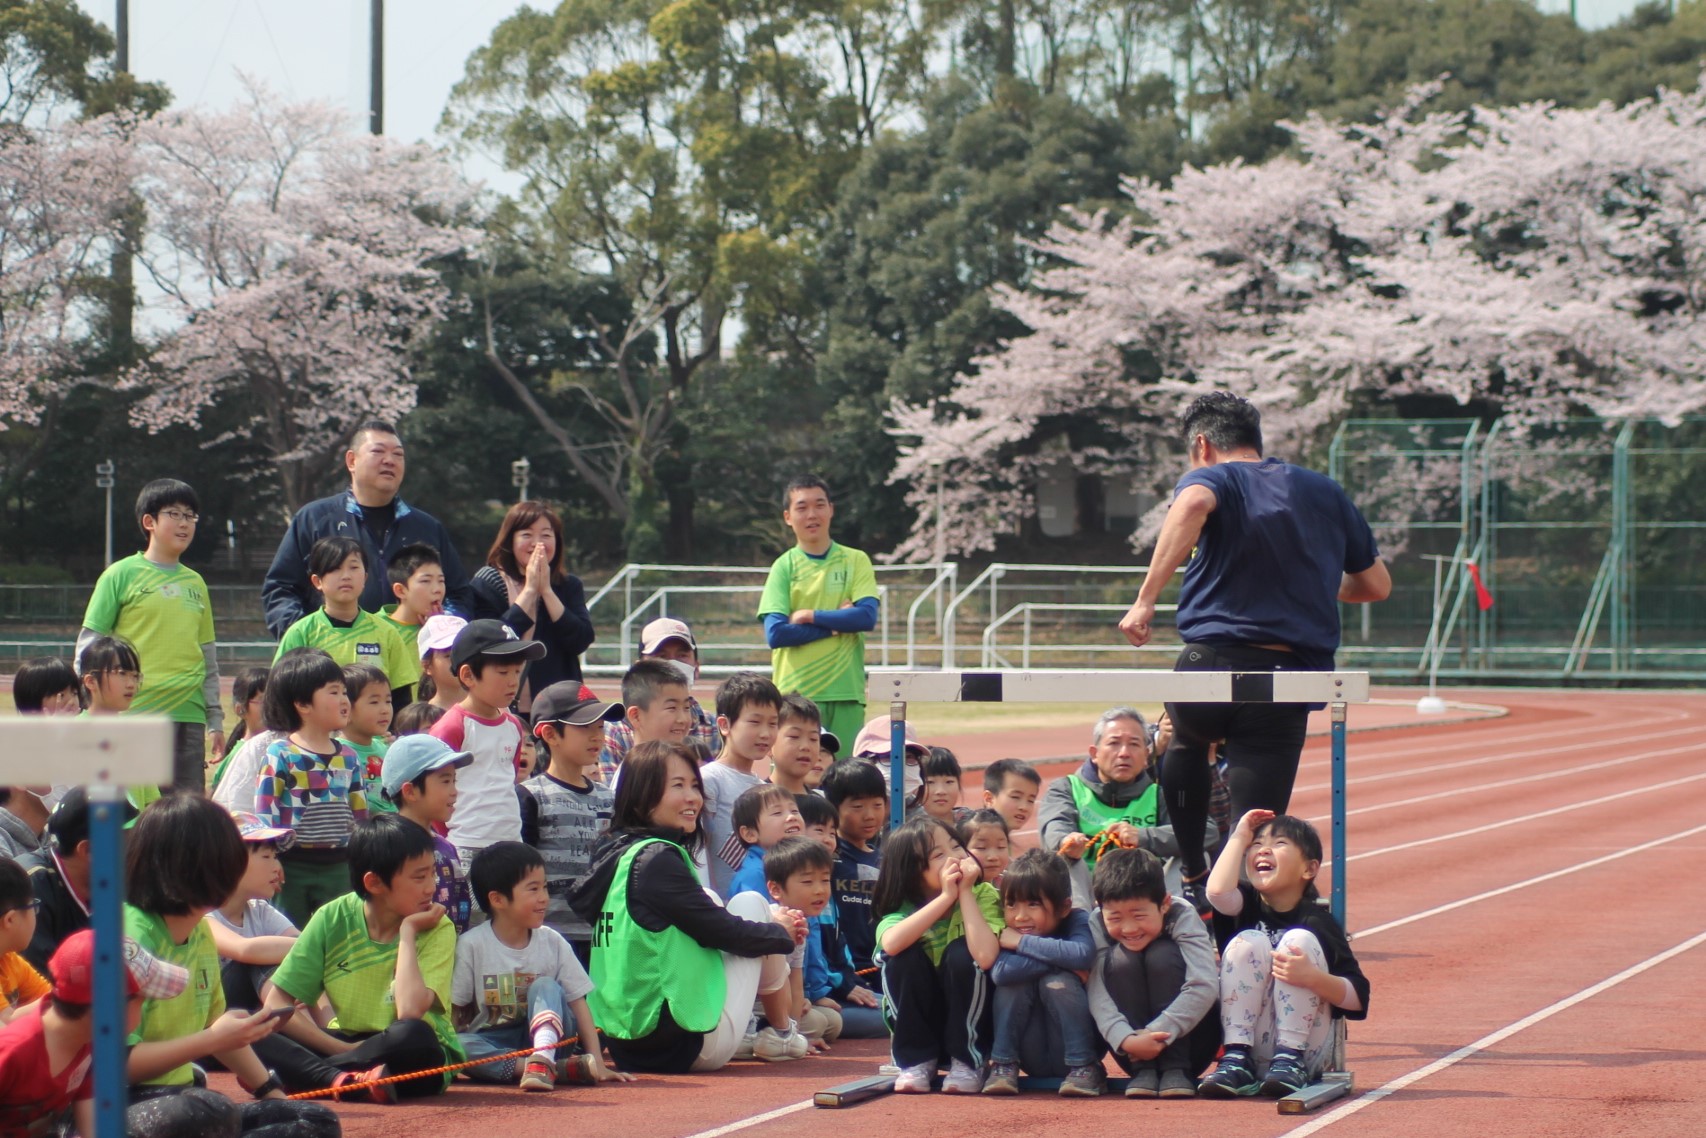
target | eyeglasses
[
  {"x": 33, "y": 905},
  {"x": 181, "y": 516}
]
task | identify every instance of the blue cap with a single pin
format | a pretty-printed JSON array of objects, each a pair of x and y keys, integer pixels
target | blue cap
[{"x": 414, "y": 755}]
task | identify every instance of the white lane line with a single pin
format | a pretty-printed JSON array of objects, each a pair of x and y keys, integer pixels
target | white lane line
[
  {"x": 742, "y": 1124},
  {"x": 1502, "y": 823},
  {"x": 1468, "y": 1050},
  {"x": 1359, "y": 936}
]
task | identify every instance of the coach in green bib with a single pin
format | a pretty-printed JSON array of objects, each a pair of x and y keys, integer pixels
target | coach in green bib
[{"x": 1114, "y": 793}]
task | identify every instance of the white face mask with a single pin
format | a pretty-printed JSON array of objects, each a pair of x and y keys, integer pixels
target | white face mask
[
  {"x": 911, "y": 780},
  {"x": 688, "y": 672}
]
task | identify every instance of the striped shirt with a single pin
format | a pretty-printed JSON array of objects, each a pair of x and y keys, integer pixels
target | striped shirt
[
  {"x": 562, "y": 822},
  {"x": 318, "y": 796}
]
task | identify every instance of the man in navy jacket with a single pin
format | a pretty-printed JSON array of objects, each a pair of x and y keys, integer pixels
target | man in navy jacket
[{"x": 371, "y": 512}]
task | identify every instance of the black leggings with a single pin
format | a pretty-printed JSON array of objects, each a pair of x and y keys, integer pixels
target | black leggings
[
  {"x": 194, "y": 1112},
  {"x": 407, "y": 1045},
  {"x": 1262, "y": 744},
  {"x": 942, "y": 1012}
]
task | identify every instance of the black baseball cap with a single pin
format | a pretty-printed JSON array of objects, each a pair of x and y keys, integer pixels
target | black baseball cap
[
  {"x": 572, "y": 702},
  {"x": 69, "y": 822},
  {"x": 491, "y": 638}
]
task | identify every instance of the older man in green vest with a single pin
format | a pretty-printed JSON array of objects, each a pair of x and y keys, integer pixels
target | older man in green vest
[{"x": 1114, "y": 793}]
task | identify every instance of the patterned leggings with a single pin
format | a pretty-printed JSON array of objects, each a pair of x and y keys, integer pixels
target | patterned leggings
[{"x": 1262, "y": 1013}]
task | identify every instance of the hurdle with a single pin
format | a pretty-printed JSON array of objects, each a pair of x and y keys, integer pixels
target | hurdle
[
  {"x": 1114, "y": 688},
  {"x": 104, "y": 754}
]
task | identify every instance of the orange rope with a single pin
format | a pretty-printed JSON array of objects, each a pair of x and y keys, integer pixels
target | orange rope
[{"x": 348, "y": 1088}]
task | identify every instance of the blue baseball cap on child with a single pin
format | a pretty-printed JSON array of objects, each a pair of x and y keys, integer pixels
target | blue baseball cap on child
[{"x": 414, "y": 755}]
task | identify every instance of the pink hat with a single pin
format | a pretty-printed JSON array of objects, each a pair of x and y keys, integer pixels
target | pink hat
[
  {"x": 665, "y": 628},
  {"x": 439, "y": 633}
]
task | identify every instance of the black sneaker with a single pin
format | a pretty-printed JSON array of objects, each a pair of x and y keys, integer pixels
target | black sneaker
[
  {"x": 1286, "y": 1075},
  {"x": 1195, "y": 891},
  {"x": 1232, "y": 1078}
]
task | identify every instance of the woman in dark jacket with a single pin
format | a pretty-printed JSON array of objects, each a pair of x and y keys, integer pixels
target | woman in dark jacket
[
  {"x": 675, "y": 973},
  {"x": 524, "y": 585}
]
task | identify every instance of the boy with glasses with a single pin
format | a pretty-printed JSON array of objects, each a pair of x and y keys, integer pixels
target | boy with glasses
[{"x": 161, "y": 606}]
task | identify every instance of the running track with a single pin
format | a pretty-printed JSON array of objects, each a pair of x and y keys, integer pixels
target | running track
[{"x": 1526, "y": 894}]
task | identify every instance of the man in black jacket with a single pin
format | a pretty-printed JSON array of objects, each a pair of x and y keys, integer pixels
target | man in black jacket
[
  {"x": 371, "y": 512},
  {"x": 59, "y": 876}
]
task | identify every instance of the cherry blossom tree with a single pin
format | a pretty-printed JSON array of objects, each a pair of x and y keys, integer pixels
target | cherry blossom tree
[
  {"x": 294, "y": 261},
  {"x": 1538, "y": 261}
]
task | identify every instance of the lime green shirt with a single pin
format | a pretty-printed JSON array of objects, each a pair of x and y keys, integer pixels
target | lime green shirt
[
  {"x": 334, "y": 955},
  {"x": 165, "y": 615},
  {"x": 832, "y": 668},
  {"x": 952, "y": 927},
  {"x": 202, "y": 1002},
  {"x": 410, "y": 634},
  {"x": 369, "y": 640}
]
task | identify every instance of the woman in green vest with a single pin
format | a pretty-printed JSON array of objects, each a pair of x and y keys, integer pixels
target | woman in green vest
[{"x": 675, "y": 973}]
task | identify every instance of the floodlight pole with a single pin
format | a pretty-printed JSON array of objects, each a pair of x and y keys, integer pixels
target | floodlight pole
[
  {"x": 519, "y": 472},
  {"x": 104, "y": 481},
  {"x": 121, "y": 35},
  {"x": 376, "y": 67}
]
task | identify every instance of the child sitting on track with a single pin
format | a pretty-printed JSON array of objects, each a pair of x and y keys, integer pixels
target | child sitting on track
[
  {"x": 830, "y": 979},
  {"x": 1042, "y": 1015},
  {"x": 1288, "y": 969},
  {"x": 1154, "y": 979},
  {"x": 796, "y": 873},
  {"x": 936, "y": 936},
  {"x": 984, "y": 834},
  {"x": 763, "y": 815},
  {"x": 517, "y": 980},
  {"x": 856, "y": 789}
]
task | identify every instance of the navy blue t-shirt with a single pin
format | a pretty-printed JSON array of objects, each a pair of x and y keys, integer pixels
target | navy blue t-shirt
[{"x": 1271, "y": 557}]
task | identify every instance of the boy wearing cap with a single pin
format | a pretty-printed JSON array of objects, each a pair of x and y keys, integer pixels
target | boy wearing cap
[
  {"x": 670, "y": 641},
  {"x": 488, "y": 660},
  {"x": 418, "y": 776},
  {"x": 435, "y": 640},
  {"x": 59, "y": 877},
  {"x": 563, "y": 810},
  {"x": 819, "y": 601}
]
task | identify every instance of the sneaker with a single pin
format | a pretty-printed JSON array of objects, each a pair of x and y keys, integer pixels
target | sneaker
[
  {"x": 1089, "y": 1081},
  {"x": 744, "y": 1050},
  {"x": 1195, "y": 890},
  {"x": 915, "y": 1080},
  {"x": 1003, "y": 1079},
  {"x": 540, "y": 1074},
  {"x": 772, "y": 1046},
  {"x": 576, "y": 1071},
  {"x": 383, "y": 1095},
  {"x": 1286, "y": 1074},
  {"x": 1232, "y": 1078},
  {"x": 962, "y": 1079},
  {"x": 1177, "y": 1084},
  {"x": 1144, "y": 1083}
]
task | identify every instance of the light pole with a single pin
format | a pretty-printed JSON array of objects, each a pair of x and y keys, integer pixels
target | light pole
[
  {"x": 941, "y": 519},
  {"x": 104, "y": 481},
  {"x": 518, "y": 475}
]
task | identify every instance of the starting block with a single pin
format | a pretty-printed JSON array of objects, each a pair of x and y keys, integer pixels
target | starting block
[{"x": 1117, "y": 687}]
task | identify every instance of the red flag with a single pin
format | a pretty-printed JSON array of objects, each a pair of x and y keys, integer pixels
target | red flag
[{"x": 1483, "y": 599}]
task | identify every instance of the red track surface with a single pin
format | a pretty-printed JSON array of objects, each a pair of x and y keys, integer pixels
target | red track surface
[{"x": 1439, "y": 816}]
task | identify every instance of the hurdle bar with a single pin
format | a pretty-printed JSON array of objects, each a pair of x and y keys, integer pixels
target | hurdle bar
[
  {"x": 105, "y": 754},
  {"x": 1114, "y": 688}
]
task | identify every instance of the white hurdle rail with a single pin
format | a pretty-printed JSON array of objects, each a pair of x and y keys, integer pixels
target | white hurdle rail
[{"x": 1114, "y": 688}]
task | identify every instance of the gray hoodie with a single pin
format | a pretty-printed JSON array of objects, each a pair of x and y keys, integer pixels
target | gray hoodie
[
  {"x": 1194, "y": 1001},
  {"x": 16, "y": 837}
]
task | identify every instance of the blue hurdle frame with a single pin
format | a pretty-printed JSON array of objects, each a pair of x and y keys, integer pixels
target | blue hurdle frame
[{"x": 106, "y": 916}]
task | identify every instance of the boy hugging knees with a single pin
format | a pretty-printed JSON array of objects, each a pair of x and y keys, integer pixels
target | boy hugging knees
[
  {"x": 517, "y": 980},
  {"x": 1042, "y": 1014},
  {"x": 1154, "y": 980}
]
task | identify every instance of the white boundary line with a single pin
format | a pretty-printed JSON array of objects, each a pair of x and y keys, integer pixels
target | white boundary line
[
  {"x": 1471, "y": 1049},
  {"x": 743, "y": 1123}
]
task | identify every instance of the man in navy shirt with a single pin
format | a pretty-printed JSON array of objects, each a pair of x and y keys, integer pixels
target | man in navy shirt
[{"x": 1272, "y": 550}]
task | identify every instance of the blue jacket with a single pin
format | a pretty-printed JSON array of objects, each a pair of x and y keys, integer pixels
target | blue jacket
[
  {"x": 286, "y": 593},
  {"x": 749, "y": 878}
]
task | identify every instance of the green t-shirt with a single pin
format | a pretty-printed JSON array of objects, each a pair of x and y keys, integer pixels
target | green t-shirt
[
  {"x": 166, "y": 616},
  {"x": 410, "y": 634},
  {"x": 369, "y": 641},
  {"x": 832, "y": 668},
  {"x": 202, "y": 1002},
  {"x": 335, "y": 955},
  {"x": 952, "y": 927}
]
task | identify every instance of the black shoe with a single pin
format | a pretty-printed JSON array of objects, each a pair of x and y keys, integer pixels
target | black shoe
[
  {"x": 1195, "y": 892},
  {"x": 1286, "y": 1074},
  {"x": 1232, "y": 1078}
]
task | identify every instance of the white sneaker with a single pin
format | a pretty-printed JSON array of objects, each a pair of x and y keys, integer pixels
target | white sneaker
[
  {"x": 915, "y": 1080},
  {"x": 961, "y": 1079},
  {"x": 774, "y": 1047},
  {"x": 744, "y": 1049}
]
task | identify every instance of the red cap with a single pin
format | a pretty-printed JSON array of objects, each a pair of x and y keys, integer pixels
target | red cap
[{"x": 73, "y": 968}]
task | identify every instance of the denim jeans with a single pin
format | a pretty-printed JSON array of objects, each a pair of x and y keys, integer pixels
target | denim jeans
[
  {"x": 544, "y": 998},
  {"x": 1045, "y": 1025}
]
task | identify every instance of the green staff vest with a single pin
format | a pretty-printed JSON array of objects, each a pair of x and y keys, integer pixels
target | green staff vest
[
  {"x": 636, "y": 971},
  {"x": 1094, "y": 815}
]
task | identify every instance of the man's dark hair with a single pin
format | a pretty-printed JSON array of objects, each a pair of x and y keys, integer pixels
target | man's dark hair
[
  {"x": 15, "y": 892},
  {"x": 381, "y": 845},
  {"x": 795, "y": 855},
  {"x": 408, "y": 561},
  {"x": 796, "y": 708},
  {"x": 295, "y": 679},
  {"x": 853, "y": 778},
  {"x": 1127, "y": 875},
  {"x": 161, "y": 493},
  {"x": 184, "y": 854},
  {"x": 1227, "y": 421},
  {"x": 746, "y": 689},
  {"x": 804, "y": 482},
  {"x": 995, "y": 774},
  {"x": 41, "y": 678},
  {"x": 372, "y": 427},
  {"x": 640, "y": 683},
  {"x": 1038, "y": 876},
  {"x": 816, "y": 810},
  {"x": 331, "y": 552},
  {"x": 499, "y": 868}
]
